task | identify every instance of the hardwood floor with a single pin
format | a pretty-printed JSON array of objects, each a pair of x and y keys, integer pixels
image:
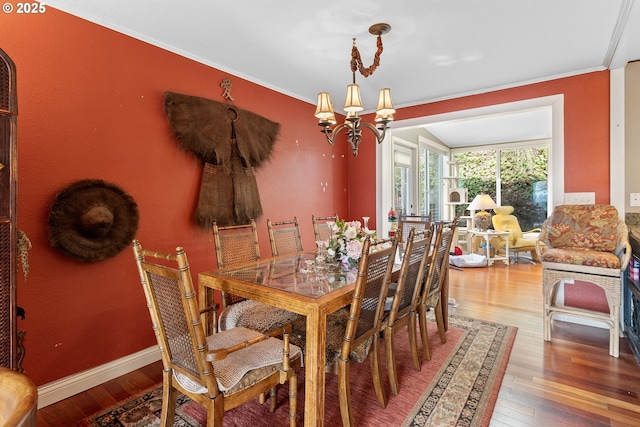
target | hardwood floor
[{"x": 571, "y": 381}]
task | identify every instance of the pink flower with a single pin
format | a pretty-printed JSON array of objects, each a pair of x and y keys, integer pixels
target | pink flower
[{"x": 354, "y": 249}]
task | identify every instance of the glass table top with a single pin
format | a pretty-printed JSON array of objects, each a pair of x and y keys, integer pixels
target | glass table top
[{"x": 302, "y": 274}]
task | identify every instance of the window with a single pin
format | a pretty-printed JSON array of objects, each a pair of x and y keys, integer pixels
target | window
[
  {"x": 402, "y": 176},
  {"x": 512, "y": 174}
]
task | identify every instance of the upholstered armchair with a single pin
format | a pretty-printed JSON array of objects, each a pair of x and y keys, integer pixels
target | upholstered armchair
[
  {"x": 587, "y": 243},
  {"x": 519, "y": 241}
]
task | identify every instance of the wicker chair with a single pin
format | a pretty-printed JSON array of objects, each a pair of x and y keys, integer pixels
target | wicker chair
[
  {"x": 284, "y": 237},
  {"x": 221, "y": 371},
  {"x": 236, "y": 245},
  {"x": 321, "y": 226},
  {"x": 436, "y": 277},
  {"x": 589, "y": 243},
  {"x": 352, "y": 333},
  {"x": 406, "y": 223},
  {"x": 404, "y": 304}
]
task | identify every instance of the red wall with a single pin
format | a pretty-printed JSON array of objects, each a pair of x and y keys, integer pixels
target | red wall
[
  {"x": 586, "y": 135},
  {"x": 90, "y": 106}
]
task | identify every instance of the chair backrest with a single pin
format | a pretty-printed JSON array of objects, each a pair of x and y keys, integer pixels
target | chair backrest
[
  {"x": 171, "y": 299},
  {"x": 236, "y": 244},
  {"x": 439, "y": 263},
  {"x": 595, "y": 227},
  {"x": 284, "y": 237},
  {"x": 406, "y": 223},
  {"x": 504, "y": 221},
  {"x": 409, "y": 285},
  {"x": 370, "y": 294},
  {"x": 322, "y": 226}
]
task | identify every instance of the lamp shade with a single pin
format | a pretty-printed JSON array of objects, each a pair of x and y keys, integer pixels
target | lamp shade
[
  {"x": 324, "y": 110},
  {"x": 385, "y": 105},
  {"x": 482, "y": 202},
  {"x": 353, "y": 103}
]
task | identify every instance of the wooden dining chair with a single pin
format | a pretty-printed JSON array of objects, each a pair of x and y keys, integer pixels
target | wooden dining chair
[
  {"x": 405, "y": 300},
  {"x": 353, "y": 333},
  {"x": 406, "y": 223},
  {"x": 284, "y": 237},
  {"x": 322, "y": 226},
  {"x": 237, "y": 245},
  {"x": 220, "y": 371},
  {"x": 435, "y": 280}
]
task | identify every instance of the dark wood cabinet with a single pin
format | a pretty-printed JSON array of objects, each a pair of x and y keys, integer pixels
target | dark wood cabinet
[{"x": 9, "y": 348}]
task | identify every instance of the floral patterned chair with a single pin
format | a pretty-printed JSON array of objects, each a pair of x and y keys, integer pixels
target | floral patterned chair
[{"x": 588, "y": 243}]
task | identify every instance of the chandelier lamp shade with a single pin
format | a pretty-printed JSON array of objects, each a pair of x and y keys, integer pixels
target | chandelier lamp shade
[
  {"x": 353, "y": 124},
  {"x": 479, "y": 205}
]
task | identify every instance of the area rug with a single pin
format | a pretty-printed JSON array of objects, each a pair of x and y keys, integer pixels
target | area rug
[{"x": 458, "y": 387}]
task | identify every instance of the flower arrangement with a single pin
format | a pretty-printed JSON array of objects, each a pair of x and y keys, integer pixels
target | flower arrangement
[{"x": 346, "y": 241}]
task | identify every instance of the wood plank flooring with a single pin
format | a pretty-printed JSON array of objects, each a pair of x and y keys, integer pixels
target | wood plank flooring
[{"x": 571, "y": 381}]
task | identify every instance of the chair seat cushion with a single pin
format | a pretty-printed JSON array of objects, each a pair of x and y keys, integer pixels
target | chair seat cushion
[
  {"x": 336, "y": 327},
  {"x": 523, "y": 243},
  {"x": 578, "y": 256},
  {"x": 242, "y": 368},
  {"x": 255, "y": 315}
]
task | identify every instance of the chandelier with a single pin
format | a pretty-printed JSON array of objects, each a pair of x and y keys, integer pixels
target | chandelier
[{"x": 353, "y": 124}]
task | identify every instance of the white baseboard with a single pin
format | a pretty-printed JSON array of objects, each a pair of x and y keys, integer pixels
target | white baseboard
[{"x": 77, "y": 383}]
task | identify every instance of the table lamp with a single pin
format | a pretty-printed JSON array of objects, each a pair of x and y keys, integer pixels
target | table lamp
[{"x": 482, "y": 218}]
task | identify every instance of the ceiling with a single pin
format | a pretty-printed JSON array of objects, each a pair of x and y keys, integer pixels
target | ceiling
[{"x": 436, "y": 49}]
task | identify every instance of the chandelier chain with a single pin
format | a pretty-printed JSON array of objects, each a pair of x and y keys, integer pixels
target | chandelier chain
[{"x": 356, "y": 60}]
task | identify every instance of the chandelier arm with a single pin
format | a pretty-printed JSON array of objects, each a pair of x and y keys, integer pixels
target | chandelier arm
[
  {"x": 379, "y": 136},
  {"x": 356, "y": 59},
  {"x": 331, "y": 134}
]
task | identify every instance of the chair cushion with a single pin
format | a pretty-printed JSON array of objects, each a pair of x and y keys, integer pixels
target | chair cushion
[
  {"x": 584, "y": 226},
  {"x": 254, "y": 315},
  {"x": 336, "y": 327},
  {"x": 581, "y": 256},
  {"x": 243, "y": 367}
]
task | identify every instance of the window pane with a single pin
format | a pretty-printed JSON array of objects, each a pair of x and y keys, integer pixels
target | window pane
[
  {"x": 434, "y": 185},
  {"x": 478, "y": 174},
  {"x": 523, "y": 174},
  {"x": 401, "y": 195}
]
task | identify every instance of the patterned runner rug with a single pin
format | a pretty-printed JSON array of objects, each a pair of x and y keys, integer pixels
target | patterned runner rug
[{"x": 458, "y": 387}]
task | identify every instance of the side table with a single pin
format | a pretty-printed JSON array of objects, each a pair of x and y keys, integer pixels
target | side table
[{"x": 488, "y": 235}]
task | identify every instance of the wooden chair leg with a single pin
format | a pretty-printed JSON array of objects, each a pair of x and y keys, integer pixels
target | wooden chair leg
[
  {"x": 344, "y": 393},
  {"x": 424, "y": 333},
  {"x": 440, "y": 322},
  {"x": 293, "y": 400},
  {"x": 413, "y": 341},
  {"x": 273, "y": 397},
  {"x": 169, "y": 400},
  {"x": 376, "y": 372},
  {"x": 215, "y": 413},
  {"x": 391, "y": 360}
]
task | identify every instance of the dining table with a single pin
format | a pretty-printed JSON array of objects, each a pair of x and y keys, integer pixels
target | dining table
[
  {"x": 300, "y": 283},
  {"x": 297, "y": 284}
]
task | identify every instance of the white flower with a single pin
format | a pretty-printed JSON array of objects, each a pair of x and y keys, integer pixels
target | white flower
[{"x": 351, "y": 232}]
